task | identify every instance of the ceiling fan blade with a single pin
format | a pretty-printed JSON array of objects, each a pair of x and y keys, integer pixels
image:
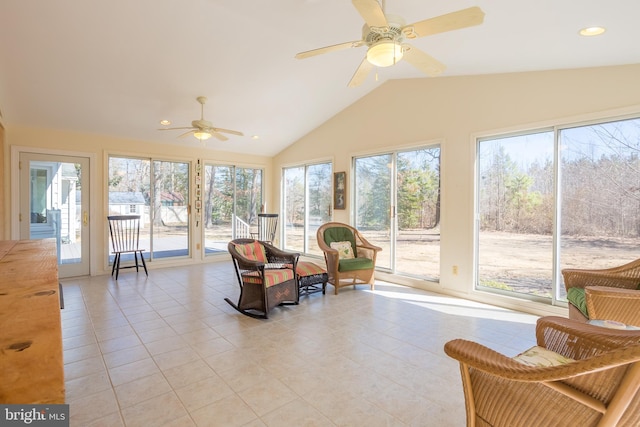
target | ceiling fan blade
[
  {"x": 185, "y": 127},
  {"x": 361, "y": 73},
  {"x": 372, "y": 13},
  {"x": 327, "y": 49},
  {"x": 448, "y": 22},
  {"x": 423, "y": 62},
  {"x": 219, "y": 136},
  {"x": 186, "y": 133},
  {"x": 232, "y": 132}
]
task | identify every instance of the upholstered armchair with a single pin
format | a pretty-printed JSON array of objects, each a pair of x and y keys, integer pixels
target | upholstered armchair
[
  {"x": 610, "y": 293},
  {"x": 578, "y": 375},
  {"x": 266, "y": 276},
  {"x": 350, "y": 258}
]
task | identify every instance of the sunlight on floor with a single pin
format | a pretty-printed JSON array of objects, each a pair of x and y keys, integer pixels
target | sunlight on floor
[{"x": 452, "y": 305}]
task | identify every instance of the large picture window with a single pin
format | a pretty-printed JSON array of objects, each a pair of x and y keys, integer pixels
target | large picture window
[{"x": 567, "y": 197}]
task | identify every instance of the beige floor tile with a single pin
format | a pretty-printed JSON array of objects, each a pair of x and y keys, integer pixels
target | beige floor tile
[
  {"x": 203, "y": 392},
  {"x": 90, "y": 408},
  {"x": 189, "y": 373},
  {"x": 80, "y": 353},
  {"x": 267, "y": 395},
  {"x": 156, "y": 411},
  {"x": 133, "y": 392},
  {"x": 229, "y": 412},
  {"x": 112, "y": 420},
  {"x": 123, "y": 357},
  {"x": 84, "y": 367},
  {"x": 168, "y": 351},
  {"x": 120, "y": 343},
  {"x": 132, "y": 371},
  {"x": 81, "y": 387},
  {"x": 296, "y": 414},
  {"x": 165, "y": 345},
  {"x": 174, "y": 358}
]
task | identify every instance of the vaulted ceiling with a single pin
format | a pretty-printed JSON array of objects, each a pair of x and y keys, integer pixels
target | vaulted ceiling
[{"x": 119, "y": 67}]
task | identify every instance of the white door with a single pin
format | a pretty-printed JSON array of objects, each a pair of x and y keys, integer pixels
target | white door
[{"x": 54, "y": 203}]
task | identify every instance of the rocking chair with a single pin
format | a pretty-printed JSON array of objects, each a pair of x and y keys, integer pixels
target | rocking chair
[{"x": 266, "y": 275}]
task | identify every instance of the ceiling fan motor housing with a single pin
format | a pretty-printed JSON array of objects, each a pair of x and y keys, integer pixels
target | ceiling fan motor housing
[{"x": 394, "y": 33}]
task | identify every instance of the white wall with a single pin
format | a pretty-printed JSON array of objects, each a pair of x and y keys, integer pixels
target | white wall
[{"x": 454, "y": 111}]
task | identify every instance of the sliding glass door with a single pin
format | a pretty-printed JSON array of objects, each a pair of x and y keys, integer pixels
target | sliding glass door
[
  {"x": 306, "y": 201},
  {"x": 397, "y": 207},
  {"x": 231, "y": 203},
  {"x": 158, "y": 191}
]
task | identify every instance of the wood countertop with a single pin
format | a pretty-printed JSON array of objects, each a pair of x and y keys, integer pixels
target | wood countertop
[{"x": 31, "y": 359}]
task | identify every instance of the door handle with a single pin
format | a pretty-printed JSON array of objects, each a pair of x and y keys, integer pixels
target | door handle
[{"x": 85, "y": 218}]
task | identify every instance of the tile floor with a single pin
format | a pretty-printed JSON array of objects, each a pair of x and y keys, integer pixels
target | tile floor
[{"x": 167, "y": 350}]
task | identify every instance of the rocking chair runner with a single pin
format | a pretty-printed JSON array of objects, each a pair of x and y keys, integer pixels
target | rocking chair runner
[{"x": 266, "y": 276}]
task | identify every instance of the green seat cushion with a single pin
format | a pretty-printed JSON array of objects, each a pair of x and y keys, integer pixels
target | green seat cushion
[
  {"x": 340, "y": 234},
  {"x": 577, "y": 297},
  {"x": 352, "y": 264}
]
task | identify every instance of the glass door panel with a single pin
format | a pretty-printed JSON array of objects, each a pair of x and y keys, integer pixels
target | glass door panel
[
  {"x": 373, "y": 203},
  {"x": 170, "y": 209},
  {"x": 319, "y": 180},
  {"x": 515, "y": 215},
  {"x": 218, "y": 208},
  {"x": 248, "y": 201},
  {"x": 418, "y": 213},
  {"x": 294, "y": 208},
  {"x": 56, "y": 205}
]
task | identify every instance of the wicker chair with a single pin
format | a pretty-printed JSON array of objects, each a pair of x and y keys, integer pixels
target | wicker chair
[
  {"x": 598, "y": 388},
  {"x": 266, "y": 276},
  {"x": 345, "y": 271},
  {"x": 610, "y": 293}
]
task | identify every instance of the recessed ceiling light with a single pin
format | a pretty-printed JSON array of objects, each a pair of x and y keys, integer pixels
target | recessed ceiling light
[
  {"x": 165, "y": 122},
  {"x": 592, "y": 31},
  {"x": 255, "y": 137}
]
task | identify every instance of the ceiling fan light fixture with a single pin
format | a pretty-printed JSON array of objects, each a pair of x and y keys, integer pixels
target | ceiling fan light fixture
[
  {"x": 384, "y": 53},
  {"x": 592, "y": 31},
  {"x": 202, "y": 135}
]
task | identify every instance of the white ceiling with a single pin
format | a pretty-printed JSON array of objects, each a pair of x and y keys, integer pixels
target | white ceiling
[{"x": 118, "y": 67}]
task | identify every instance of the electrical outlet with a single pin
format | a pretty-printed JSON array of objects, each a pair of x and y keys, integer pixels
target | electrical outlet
[{"x": 454, "y": 270}]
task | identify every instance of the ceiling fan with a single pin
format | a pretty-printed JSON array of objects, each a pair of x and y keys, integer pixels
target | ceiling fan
[
  {"x": 203, "y": 129},
  {"x": 385, "y": 34}
]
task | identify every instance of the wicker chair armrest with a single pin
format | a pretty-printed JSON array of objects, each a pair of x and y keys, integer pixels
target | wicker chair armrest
[
  {"x": 278, "y": 256},
  {"x": 370, "y": 250},
  {"x": 366, "y": 252},
  {"x": 361, "y": 241},
  {"x": 578, "y": 340},
  {"x": 622, "y": 305},
  {"x": 249, "y": 264},
  {"x": 484, "y": 359},
  {"x": 607, "y": 292},
  {"x": 584, "y": 278}
]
